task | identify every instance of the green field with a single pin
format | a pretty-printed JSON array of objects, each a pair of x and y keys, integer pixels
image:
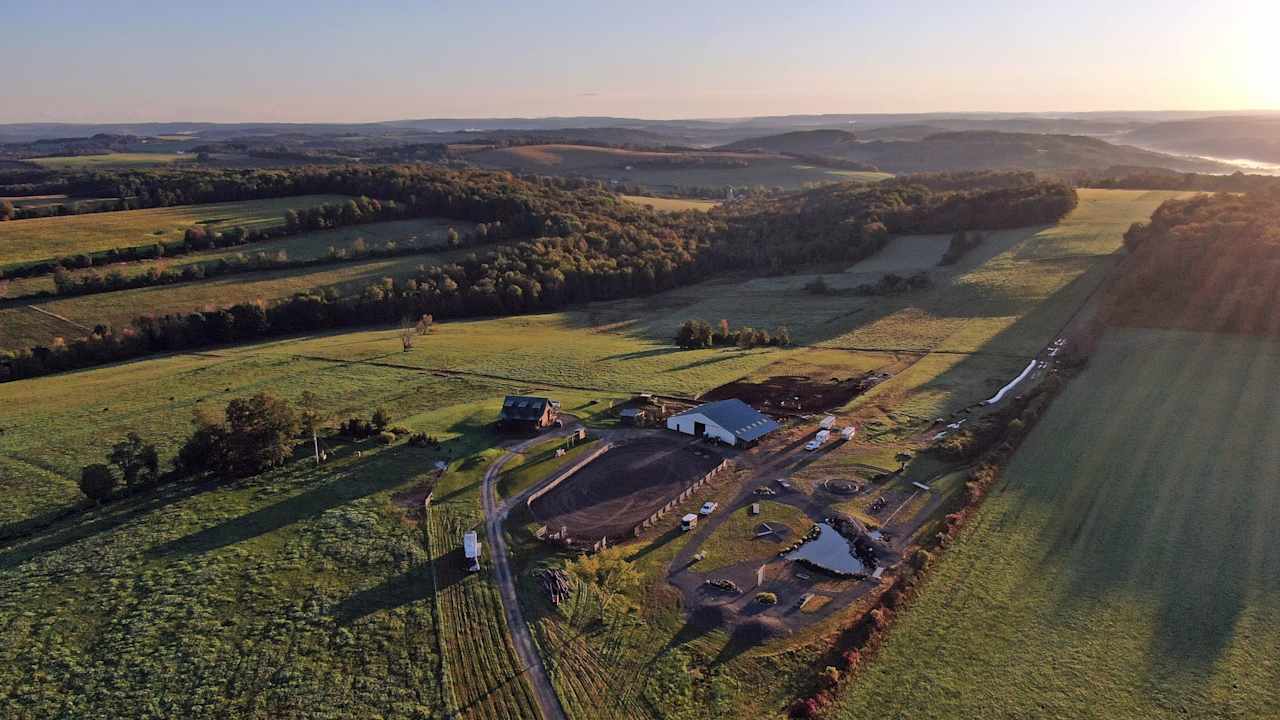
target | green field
[
  {"x": 111, "y": 160},
  {"x": 355, "y": 371},
  {"x": 301, "y": 593},
  {"x": 329, "y": 567},
  {"x": 304, "y": 246},
  {"x": 672, "y": 204},
  {"x": 27, "y": 240},
  {"x": 1125, "y": 567},
  {"x": 24, "y": 328}
]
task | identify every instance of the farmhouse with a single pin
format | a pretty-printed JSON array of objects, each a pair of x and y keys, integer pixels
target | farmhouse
[
  {"x": 527, "y": 414},
  {"x": 732, "y": 422}
]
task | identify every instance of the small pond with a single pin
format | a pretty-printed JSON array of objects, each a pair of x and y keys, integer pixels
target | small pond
[{"x": 830, "y": 551}]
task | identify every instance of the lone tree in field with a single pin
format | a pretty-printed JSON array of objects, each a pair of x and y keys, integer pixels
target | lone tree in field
[
  {"x": 97, "y": 482},
  {"x": 6, "y": 210},
  {"x": 259, "y": 435},
  {"x": 311, "y": 416},
  {"x": 136, "y": 459}
]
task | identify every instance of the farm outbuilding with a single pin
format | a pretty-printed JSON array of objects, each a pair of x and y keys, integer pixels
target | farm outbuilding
[
  {"x": 633, "y": 416},
  {"x": 528, "y": 413},
  {"x": 732, "y": 422}
]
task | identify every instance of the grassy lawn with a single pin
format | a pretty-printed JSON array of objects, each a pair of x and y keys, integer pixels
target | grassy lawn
[
  {"x": 734, "y": 541},
  {"x": 28, "y": 240},
  {"x": 1125, "y": 567},
  {"x": 662, "y": 203},
  {"x": 111, "y": 160}
]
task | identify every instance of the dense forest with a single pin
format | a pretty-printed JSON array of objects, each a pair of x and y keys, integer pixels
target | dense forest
[
  {"x": 849, "y": 222},
  {"x": 586, "y": 244},
  {"x": 1204, "y": 263}
]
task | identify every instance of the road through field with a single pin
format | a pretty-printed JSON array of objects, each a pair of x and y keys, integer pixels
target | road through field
[{"x": 495, "y": 514}]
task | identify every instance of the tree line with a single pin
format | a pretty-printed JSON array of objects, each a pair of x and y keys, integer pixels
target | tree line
[
  {"x": 587, "y": 245},
  {"x": 1208, "y": 262},
  {"x": 694, "y": 334}
]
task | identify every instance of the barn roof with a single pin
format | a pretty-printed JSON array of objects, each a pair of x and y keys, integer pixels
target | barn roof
[
  {"x": 520, "y": 407},
  {"x": 739, "y": 418}
]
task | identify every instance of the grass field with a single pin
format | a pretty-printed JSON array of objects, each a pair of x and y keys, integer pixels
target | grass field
[
  {"x": 1126, "y": 565},
  {"x": 355, "y": 371},
  {"x": 111, "y": 160},
  {"x": 38, "y": 239},
  {"x": 20, "y": 327},
  {"x": 301, "y": 593},
  {"x": 672, "y": 204},
  {"x": 304, "y": 246},
  {"x": 734, "y": 540},
  {"x": 292, "y": 547}
]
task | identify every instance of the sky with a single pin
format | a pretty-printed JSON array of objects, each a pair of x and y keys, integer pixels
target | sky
[{"x": 367, "y": 60}]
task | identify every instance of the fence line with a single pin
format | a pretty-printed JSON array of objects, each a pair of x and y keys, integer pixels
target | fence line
[
  {"x": 650, "y": 521},
  {"x": 566, "y": 473}
]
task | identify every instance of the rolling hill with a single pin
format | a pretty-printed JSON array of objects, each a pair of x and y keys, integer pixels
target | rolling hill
[
  {"x": 1252, "y": 138},
  {"x": 978, "y": 150}
]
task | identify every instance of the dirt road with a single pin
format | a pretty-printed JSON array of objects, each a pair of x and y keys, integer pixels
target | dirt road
[{"x": 495, "y": 514}]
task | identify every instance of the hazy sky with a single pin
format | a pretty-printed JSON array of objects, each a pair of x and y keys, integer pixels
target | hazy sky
[{"x": 375, "y": 60}]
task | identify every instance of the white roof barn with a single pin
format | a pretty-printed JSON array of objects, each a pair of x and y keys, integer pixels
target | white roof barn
[{"x": 732, "y": 422}]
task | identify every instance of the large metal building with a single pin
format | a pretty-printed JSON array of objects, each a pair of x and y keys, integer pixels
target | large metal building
[{"x": 732, "y": 422}]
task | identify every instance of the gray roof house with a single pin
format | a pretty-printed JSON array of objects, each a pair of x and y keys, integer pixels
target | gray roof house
[{"x": 732, "y": 422}]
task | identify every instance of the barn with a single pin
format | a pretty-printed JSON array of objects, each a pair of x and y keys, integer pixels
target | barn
[
  {"x": 528, "y": 414},
  {"x": 732, "y": 422}
]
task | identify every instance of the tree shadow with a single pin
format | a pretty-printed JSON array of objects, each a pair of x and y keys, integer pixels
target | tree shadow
[
  {"x": 108, "y": 517},
  {"x": 365, "y": 477},
  {"x": 405, "y": 589},
  {"x": 641, "y": 354}
]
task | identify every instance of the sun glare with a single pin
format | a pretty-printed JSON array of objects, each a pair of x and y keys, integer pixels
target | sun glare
[{"x": 1260, "y": 71}]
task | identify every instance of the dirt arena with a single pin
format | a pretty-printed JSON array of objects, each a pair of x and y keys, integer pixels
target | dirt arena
[
  {"x": 791, "y": 392},
  {"x": 616, "y": 491}
]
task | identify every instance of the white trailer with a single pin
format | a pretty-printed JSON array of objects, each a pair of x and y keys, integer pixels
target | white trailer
[
  {"x": 471, "y": 551},
  {"x": 849, "y": 432},
  {"x": 828, "y": 422}
]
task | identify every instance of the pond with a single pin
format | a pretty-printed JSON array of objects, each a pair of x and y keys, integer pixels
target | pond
[{"x": 830, "y": 551}]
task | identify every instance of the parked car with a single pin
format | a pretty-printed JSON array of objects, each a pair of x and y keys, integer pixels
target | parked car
[{"x": 708, "y": 508}]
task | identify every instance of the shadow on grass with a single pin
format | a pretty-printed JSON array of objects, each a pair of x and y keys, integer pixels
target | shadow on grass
[
  {"x": 657, "y": 544},
  {"x": 100, "y": 520},
  {"x": 405, "y": 589},
  {"x": 384, "y": 470}
]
